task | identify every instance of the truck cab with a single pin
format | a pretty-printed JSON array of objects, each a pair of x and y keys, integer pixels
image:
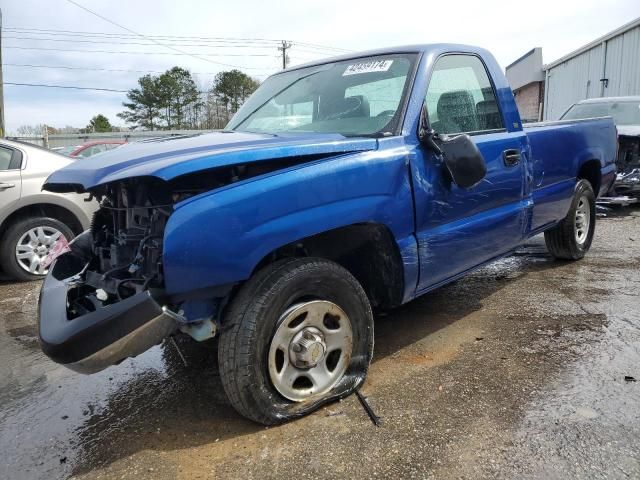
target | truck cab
[{"x": 340, "y": 187}]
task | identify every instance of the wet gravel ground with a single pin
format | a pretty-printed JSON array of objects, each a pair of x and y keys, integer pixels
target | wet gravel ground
[{"x": 516, "y": 371}]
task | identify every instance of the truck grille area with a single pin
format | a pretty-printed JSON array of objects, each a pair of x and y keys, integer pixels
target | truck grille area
[{"x": 124, "y": 251}]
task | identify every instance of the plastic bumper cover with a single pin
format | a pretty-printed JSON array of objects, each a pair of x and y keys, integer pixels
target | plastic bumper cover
[{"x": 101, "y": 338}]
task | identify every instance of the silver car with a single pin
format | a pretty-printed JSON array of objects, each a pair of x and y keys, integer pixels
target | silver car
[{"x": 31, "y": 221}]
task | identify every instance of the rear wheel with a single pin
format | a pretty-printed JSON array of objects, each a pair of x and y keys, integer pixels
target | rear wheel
[
  {"x": 298, "y": 334},
  {"x": 26, "y": 244},
  {"x": 572, "y": 237}
]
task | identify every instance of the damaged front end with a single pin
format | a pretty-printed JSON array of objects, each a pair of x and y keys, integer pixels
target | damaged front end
[
  {"x": 628, "y": 167},
  {"x": 104, "y": 301},
  {"x": 108, "y": 299}
]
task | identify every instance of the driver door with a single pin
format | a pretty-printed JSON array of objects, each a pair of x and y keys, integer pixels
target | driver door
[{"x": 457, "y": 228}]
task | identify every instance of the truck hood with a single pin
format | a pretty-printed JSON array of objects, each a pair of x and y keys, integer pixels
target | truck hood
[{"x": 168, "y": 158}]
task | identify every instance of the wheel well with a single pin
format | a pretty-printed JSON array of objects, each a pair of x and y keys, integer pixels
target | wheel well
[
  {"x": 591, "y": 172},
  {"x": 44, "y": 210},
  {"x": 368, "y": 251}
]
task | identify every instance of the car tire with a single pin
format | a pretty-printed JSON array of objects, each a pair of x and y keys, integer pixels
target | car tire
[
  {"x": 305, "y": 302},
  {"x": 16, "y": 233},
  {"x": 572, "y": 237}
]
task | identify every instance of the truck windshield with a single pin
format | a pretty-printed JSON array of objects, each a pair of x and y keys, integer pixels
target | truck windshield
[
  {"x": 357, "y": 97},
  {"x": 623, "y": 112}
]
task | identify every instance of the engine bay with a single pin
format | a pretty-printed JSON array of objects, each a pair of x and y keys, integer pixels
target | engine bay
[{"x": 123, "y": 248}]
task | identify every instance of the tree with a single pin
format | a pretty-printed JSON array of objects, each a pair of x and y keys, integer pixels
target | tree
[
  {"x": 173, "y": 100},
  {"x": 232, "y": 88},
  {"x": 170, "y": 100},
  {"x": 98, "y": 124},
  {"x": 144, "y": 103},
  {"x": 179, "y": 94},
  {"x": 31, "y": 130},
  {"x": 68, "y": 129}
]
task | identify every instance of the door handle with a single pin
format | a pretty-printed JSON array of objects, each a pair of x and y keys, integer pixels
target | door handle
[
  {"x": 511, "y": 157},
  {"x": 5, "y": 186}
]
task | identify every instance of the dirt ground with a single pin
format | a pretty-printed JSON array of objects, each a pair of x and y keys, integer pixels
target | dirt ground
[{"x": 516, "y": 371}]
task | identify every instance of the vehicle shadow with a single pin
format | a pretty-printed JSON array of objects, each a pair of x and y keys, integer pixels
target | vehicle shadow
[{"x": 185, "y": 406}]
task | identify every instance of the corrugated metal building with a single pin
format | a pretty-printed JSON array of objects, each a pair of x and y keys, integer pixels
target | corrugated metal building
[{"x": 606, "y": 67}]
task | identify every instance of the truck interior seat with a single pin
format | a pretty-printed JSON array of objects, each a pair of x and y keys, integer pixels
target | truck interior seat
[
  {"x": 488, "y": 115},
  {"x": 356, "y": 106},
  {"x": 456, "y": 112}
]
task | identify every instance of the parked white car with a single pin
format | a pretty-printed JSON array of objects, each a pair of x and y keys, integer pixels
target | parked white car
[{"x": 31, "y": 220}]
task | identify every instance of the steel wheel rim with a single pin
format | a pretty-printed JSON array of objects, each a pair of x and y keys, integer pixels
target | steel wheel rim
[
  {"x": 34, "y": 246},
  {"x": 310, "y": 350},
  {"x": 582, "y": 220}
]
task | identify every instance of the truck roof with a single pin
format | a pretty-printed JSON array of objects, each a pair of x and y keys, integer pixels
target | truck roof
[{"x": 434, "y": 48}]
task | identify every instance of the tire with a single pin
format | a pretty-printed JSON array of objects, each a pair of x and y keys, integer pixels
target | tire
[
  {"x": 567, "y": 241},
  {"x": 8, "y": 256},
  {"x": 261, "y": 313}
]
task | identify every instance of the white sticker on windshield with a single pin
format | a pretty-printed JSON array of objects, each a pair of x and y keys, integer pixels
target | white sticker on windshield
[{"x": 368, "y": 67}]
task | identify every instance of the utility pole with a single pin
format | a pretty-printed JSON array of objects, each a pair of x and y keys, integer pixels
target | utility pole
[
  {"x": 2, "y": 132},
  {"x": 285, "y": 59}
]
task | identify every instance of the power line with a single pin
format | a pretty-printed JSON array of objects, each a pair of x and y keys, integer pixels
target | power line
[
  {"x": 323, "y": 47},
  {"x": 74, "y": 40},
  {"x": 52, "y": 32},
  {"x": 315, "y": 52},
  {"x": 141, "y": 35},
  {"x": 118, "y": 36},
  {"x": 152, "y": 53},
  {"x": 65, "y": 67},
  {"x": 64, "y": 86},
  {"x": 126, "y": 35}
]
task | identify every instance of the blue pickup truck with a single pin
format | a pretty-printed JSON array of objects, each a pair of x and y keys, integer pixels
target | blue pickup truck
[{"x": 339, "y": 188}]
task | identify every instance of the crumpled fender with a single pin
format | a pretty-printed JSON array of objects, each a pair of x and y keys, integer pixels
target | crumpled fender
[{"x": 218, "y": 238}]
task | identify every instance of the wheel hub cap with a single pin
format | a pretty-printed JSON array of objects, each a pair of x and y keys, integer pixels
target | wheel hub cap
[
  {"x": 310, "y": 350},
  {"x": 33, "y": 246},
  {"x": 307, "y": 348},
  {"x": 582, "y": 220}
]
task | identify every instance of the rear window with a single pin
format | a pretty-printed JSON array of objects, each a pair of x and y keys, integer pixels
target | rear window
[{"x": 623, "y": 113}]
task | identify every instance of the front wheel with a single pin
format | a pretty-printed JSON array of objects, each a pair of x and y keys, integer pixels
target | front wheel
[
  {"x": 298, "y": 335},
  {"x": 572, "y": 237}
]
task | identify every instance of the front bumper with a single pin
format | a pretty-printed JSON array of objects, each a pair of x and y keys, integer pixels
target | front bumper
[{"x": 104, "y": 337}]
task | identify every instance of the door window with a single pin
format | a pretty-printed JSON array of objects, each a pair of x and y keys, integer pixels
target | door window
[
  {"x": 5, "y": 158},
  {"x": 460, "y": 97},
  {"x": 10, "y": 159}
]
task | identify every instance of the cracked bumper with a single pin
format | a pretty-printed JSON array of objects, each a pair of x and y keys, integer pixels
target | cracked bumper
[{"x": 104, "y": 337}]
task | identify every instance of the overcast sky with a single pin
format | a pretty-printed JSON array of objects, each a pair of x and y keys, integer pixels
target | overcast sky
[{"x": 507, "y": 28}]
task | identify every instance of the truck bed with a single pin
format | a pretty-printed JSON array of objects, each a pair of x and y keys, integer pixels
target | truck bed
[{"x": 557, "y": 148}]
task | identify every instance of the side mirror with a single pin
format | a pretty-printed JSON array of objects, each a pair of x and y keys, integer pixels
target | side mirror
[
  {"x": 463, "y": 160},
  {"x": 461, "y": 156}
]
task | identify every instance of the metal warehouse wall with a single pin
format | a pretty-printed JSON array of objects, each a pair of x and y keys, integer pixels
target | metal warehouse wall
[{"x": 577, "y": 76}]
